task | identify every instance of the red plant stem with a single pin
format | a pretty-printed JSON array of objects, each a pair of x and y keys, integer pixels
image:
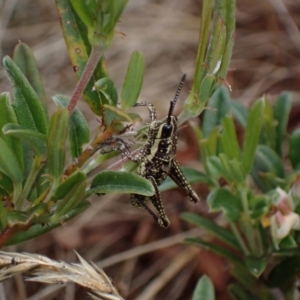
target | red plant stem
[
  {"x": 88, "y": 71},
  {"x": 9, "y": 231}
]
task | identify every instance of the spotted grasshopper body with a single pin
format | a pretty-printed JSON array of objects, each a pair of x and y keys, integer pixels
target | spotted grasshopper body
[{"x": 157, "y": 160}]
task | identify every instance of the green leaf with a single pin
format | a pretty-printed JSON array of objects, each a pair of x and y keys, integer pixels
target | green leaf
[
  {"x": 232, "y": 169},
  {"x": 282, "y": 108},
  {"x": 191, "y": 175},
  {"x": 228, "y": 138},
  {"x": 9, "y": 163},
  {"x": 238, "y": 293},
  {"x": 133, "y": 80},
  {"x": 294, "y": 146},
  {"x": 256, "y": 265},
  {"x": 7, "y": 115},
  {"x": 252, "y": 132},
  {"x": 216, "y": 44},
  {"x": 36, "y": 140},
  {"x": 226, "y": 10},
  {"x": 208, "y": 86},
  {"x": 72, "y": 181},
  {"x": 112, "y": 113},
  {"x": 82, "y": 9},
  {"x": 108, "y": 91},
  {"x": 220, "y": 251},
  {"x": 58, "y": 131},
  {"x": 120, "y": 182},
  {"x": 267, "y": 168},
  {"x": 6, "y": 183},
  {"x": 28, "y": 108},
  {"x": 219, "y": 232},
  {"x": 218, "y": 108},
  {"x": 74, "y": 196},
  {"x": 240, "y": 112},
  {"x": 38, "y": 230},
  {"x": 242, "y": 275},
  {"x": 267, "y": 135},
  {"x": 24, "y": 58},
  {"x": 204, "y": 289},
  {"x": 79, "y": 132},
  {"x": 221, "y": 199}
]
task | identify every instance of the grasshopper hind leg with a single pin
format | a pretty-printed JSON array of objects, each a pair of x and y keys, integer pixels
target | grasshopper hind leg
[{"x": 139, "y": 201}]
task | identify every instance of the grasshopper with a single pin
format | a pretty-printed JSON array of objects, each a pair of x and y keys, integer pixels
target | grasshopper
[{"x": 156, "y": 160}]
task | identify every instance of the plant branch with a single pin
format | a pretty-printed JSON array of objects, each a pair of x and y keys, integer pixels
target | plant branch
[{"x": 88, "y": 71}]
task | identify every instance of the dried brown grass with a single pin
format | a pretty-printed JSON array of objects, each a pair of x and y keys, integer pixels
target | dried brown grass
[{"x": 265, "y": 61}]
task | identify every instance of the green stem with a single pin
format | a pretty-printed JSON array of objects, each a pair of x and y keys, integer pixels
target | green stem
[
  {"x": 29, "y": 182},
  {"x": 246, "y": 223},
  {"x": 239, "y": 238},
  {"x": 88, "y": 71}
]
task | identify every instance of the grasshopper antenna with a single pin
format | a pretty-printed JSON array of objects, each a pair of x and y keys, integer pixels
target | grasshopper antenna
[{"x": 173, "y": 102}]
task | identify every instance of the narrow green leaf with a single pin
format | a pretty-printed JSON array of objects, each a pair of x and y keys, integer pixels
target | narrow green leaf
[
  {"x": 218, "y": 108},
  {"x": 256, "y": 265},
  {"x": 79, "y": 132},
  {"x": 242, "y": 275},
  {"x": 228, "y": 138},
  {"x": 294, "y": 146},
  {"x": 204, "y": 289},
  {"x": 282, "y": 110},
  {"x": 227, "y": 14},
  {"x": 254, "y": 123},
  {"x": 9, "y": 163},
  {"x": 24, "y": 58},
  {"x": 240, "y": 112},
  {"x": 36, "y": 140},
  {"x": 28, "y": 108},
  {"x": 120, "y": 182},
  {"x": 58, "y": 131},
  {"x": 82, "y": 9},
  {"x": 222, "y": 199},
  {"x": 217, "y": 43},
  {"x": 108, "y": 90},
  {"x": 7, "y": 115},
  {"x": 206, "y": 19},
  {"x": 6, "y": 184},
  {"x": 133, "y": 80},
  {"x": 38, "y": 230},
  {"x": 220, "y": 251},
  {"x": 72, "y": 181},
  {"x": 219, "y": 232},
  {"x": 207, "y": 89},
  {"x": 238, "y": 293},
  {"x": 112, "y": 113},
  {"x": 71, "y": 200},
  {"x": 267, "y": 168},
  {"x": 209, "y": 145},
  {"x": 232, "y": 169},
  {"x": 191, "y": 175}
]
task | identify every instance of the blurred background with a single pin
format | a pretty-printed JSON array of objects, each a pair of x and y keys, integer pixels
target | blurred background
[{"x": 144, "y": 261}]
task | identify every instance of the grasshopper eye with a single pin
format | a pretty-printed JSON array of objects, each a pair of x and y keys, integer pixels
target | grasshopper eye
[{"x": 166, "y": 131}]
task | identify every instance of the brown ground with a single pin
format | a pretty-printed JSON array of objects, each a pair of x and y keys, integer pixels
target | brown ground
[{"x": 112, "y": 233}]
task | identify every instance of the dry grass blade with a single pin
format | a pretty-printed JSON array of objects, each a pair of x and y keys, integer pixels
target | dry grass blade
[{"x": 50, "y": 271}]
